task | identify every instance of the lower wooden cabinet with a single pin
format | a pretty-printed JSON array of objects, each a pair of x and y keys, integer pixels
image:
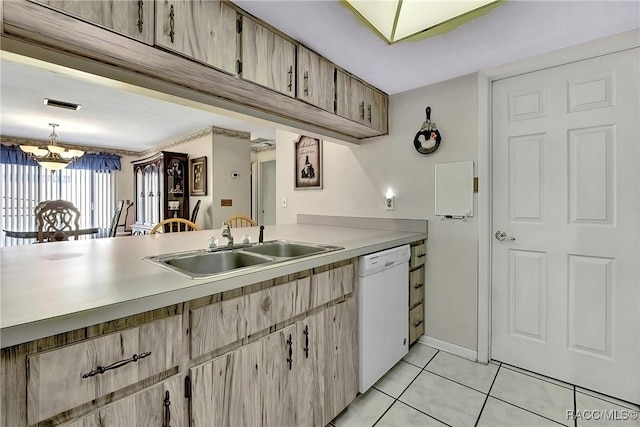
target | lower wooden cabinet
[
  {"x": 304, "y": 374},
  {"x": 159, "y": 406},
  {"x": 417, "y": 265},
  {"x": 227, "y": 390},
  {"x": 273, "y": 354}
]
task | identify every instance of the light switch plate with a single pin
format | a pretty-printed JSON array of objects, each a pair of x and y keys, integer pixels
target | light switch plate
[{"x": 284, "y": 202}]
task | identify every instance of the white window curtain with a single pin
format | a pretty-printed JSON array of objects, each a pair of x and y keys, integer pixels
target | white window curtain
[{"x": 23, "y": 187}]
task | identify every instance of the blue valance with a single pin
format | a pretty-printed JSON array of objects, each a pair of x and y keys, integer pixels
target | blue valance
[
  {"x": 97, "y": 162},
  {"x": 13, "y": 155}
]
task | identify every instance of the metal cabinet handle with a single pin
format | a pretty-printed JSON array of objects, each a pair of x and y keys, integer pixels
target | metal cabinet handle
[
  {"x": 306, "y": 83},
  {"x": 290, "y": 77},
  {"x": 422, "y": 255},
  {"x": 290, "y": 359},
  {"x": 418, "y": 323},
  {"x": 171, "y": 24},
  {"x": 116, "y": 365},
  {"x": 306, "y": 341},
  {"x": 501, "y": 235},
  {"x": 140, "y": 15},
  {"x": 166, "y": 421},
  {"x": 369, "y": 108},
  {"x": 418, "y": 286},
  {"x": 362, "y": 110}
]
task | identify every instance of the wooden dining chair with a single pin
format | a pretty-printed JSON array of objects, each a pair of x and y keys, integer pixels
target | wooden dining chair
[
  {"x": 174, "y": 225},
  {"x": 57, "y": 220},
  {"x": 194, "y": 213},
  {"x": 113, "y": 227},
  {"x": 240, "y": 220}
]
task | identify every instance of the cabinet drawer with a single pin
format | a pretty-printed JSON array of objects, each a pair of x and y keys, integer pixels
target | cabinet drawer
[
  {"x": 416, "y": 323},
  {"x": 216, "y": 325},
  {"x": 329, "y": 285},
  {"x": 64, "y": 378},
  {"x": 418, "y": 255},
  {"x": 147, "y": 408},
  {"x": 416, "y": 286}
]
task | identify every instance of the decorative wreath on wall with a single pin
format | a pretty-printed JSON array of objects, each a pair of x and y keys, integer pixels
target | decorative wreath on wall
[{"x": 428, "y": 138}]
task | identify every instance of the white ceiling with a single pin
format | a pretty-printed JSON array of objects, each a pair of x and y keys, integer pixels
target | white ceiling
[{"x": 115, "y": 116}]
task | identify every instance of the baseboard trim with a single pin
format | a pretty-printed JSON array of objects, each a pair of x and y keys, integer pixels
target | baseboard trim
[{"x": 463, "y": 352}]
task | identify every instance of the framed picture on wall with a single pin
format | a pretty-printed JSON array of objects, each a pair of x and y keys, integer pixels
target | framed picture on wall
[
  {"x": 198, "y": 177},
  {"x": 308, "y": 163}
]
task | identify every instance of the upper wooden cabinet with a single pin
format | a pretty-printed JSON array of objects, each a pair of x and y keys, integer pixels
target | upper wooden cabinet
[
  {"x": 132, "y": 18},
  {"x": 267, "y": 58},
  {"x": 360, "y": 102},
  {"x": 204, "y": 30},
  {"x": 315, "y": 79}
]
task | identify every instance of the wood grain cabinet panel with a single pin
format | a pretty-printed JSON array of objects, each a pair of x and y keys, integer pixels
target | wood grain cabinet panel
[
  {"x": 227, "y": 391},
  {"x": 331, "y": 284},
  {"x": 360, "y": 102},
  {"x": 341, "y": 370},
  {"x": 152, "y": 407},
  {"x": 270, "y": 306},
  {"x": 282, "y": 362},
  {"x": 204, "y": 30},
  {"x": 311, "y": 350},
  {"x": 417, "y": 277},
  {"x": 132, "y": 18},
  {"x": 315, "y": 79},
  {"x": 55, "y": 381},
  {"x": 217, "y": 325},
  {"x": 416, "y": 323},
  {"x": 416, "y": 286},
  {"x": 267, "y": 58}
]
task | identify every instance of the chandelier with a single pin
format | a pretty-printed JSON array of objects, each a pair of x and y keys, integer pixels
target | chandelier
[{"x": 52, "y": 157}]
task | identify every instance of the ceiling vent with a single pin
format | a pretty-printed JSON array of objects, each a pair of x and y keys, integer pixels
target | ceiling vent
[{"x": 62, "y": 104}]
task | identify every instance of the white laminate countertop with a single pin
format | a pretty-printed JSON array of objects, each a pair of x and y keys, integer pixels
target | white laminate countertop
[{"x": 53, "y": 288}]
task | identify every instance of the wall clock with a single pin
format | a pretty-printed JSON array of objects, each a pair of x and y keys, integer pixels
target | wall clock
[{"x": 428, "y": 138}]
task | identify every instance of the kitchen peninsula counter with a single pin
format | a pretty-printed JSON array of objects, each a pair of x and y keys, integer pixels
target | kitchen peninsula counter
[{"x": 52, "y": 288}]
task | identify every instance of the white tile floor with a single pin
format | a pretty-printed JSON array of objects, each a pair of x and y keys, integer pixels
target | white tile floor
[{"x": 433, "y": 388}]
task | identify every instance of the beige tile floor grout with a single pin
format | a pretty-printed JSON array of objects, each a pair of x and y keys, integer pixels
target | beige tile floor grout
[{"x": 393, "y": 400}]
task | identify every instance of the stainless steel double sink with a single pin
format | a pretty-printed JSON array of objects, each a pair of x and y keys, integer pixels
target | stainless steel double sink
[{"x": 202, "y": 264}]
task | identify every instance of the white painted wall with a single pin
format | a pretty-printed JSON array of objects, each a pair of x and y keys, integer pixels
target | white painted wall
[
  {"x": 224, "y": 155},
  {"x": 357, "y": 177},
  {"x": 230, "y": 155}
]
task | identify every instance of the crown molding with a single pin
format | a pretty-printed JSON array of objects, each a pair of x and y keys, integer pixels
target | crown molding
[
  {"x": 28, "y": 141},
  {"x": 198, "y": 134}
]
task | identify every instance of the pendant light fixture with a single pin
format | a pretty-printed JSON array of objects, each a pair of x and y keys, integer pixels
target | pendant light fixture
[{"x": 52, "y": 157}]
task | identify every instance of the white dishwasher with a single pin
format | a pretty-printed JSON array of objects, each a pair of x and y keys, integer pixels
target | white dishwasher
[{"x": 383, "y": 313}]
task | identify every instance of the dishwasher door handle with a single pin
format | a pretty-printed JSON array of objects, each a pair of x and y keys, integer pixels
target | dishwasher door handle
[{"x": 389, "y": 264}]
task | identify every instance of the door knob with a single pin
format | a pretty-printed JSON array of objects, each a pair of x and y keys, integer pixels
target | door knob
[{"x": 501, "y": 235}]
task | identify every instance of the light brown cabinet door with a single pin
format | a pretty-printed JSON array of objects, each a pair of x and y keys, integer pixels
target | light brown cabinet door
[
  {"x": 267, "y": 58},
  {"x": 341, "y": 369},
  {"x": 315, "y": 79},
  {"x": 375, "y": 109},
  {"x": 204, "y": 30},
  {"x": 227, "y": 390},
  {"x": 159, "y": 406},
  {"x": 350, "y": 98},
  {"x": 311, "y": 350},
  {"x": 361, "y": 103},
  {"x": 132, "y": 18},
  {"x": 282, "y": 363}
]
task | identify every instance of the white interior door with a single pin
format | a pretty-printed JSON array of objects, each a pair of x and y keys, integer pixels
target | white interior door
[
  {"x": 267, "y": 214},
  {"x": 566, "y": 291}
]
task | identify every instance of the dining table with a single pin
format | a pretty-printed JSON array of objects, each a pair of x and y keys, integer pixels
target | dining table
[{"x": 33, "y": 234}]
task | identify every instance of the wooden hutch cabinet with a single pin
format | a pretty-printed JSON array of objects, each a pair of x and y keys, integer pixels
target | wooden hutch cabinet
[{"x": 161, "y": 189}]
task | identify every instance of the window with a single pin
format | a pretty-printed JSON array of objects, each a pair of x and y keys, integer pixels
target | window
[{"x": 23, "y": 187}]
